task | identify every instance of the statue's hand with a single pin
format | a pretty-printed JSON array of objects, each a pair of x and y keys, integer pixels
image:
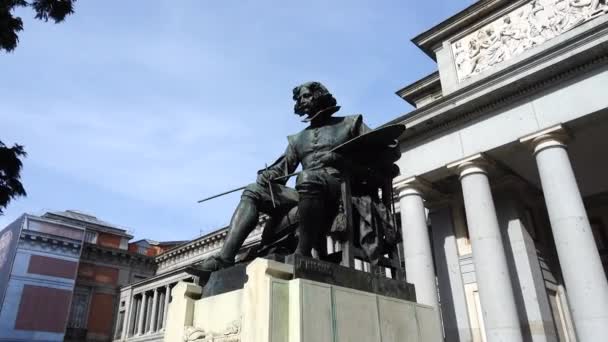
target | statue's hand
[{"x": 264, "y": 178}]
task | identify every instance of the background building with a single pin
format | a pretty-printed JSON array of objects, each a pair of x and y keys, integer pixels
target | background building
[
  {"x": 38, "y": 270},
  {"x": 61, "y": 273},
  {"x": 152, "y": 248},
  {"x": 105, "y": 264}
]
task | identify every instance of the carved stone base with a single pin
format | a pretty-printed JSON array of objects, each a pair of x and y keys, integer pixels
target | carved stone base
[{"x": 273, "y": 306}]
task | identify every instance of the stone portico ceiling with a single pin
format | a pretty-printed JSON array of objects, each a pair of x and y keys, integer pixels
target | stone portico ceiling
[{"x": 520, "y": 30}]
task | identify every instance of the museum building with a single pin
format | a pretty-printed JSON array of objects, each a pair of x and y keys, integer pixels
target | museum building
[
  {"x": 60, "y": 275},
  {"x": 502, "y": 196}
]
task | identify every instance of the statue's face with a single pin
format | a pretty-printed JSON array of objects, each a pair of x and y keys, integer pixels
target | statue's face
[{"x": 305, "y": 102}]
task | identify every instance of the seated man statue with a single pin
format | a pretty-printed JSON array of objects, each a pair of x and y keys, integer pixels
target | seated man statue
[{"x": 317, "y": 191}]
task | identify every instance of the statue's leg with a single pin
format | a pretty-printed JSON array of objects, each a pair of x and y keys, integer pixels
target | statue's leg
[
  {"x": 318, "y": 192},
  {"x": 243, "y": 222},
  {"x": 311, "y": 210}
]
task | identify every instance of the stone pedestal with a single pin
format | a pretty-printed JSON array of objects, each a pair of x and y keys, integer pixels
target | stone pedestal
[{"x": 274, "y": 305}]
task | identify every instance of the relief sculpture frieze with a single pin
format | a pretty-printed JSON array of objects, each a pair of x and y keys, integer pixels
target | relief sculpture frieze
[
  {"x": 232, "y": 333},
  {"x": 524, "y": 28}
]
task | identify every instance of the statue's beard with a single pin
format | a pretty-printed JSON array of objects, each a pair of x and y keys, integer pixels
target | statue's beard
[{"x": 308, "y": 109}]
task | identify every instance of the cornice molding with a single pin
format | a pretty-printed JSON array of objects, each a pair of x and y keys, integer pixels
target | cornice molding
[
  {"x": 423, "y": 87},
  {"x": 429, "y": 40},
  {"x": 49, "y": 238},
  {"x": 208, "y": 239},
  {"x": 49, "y": 243},
  {"x": 92, "y": 252},
  {"x": 451, "y": 117}
]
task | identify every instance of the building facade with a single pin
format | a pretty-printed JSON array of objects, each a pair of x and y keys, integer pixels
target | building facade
[
  {"x": 39, "y": 267},
  {"x": 502, "y": 194},
  {"x": 61, "y": 273},
  {"x": 105, "y": 265}
]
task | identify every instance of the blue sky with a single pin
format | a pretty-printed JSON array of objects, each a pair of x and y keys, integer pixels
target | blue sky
[{"x": 134, "y": 110}]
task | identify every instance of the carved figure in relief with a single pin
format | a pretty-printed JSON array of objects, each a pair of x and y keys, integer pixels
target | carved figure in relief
[
  {"x": 579, "y": 11},
  {"x": 560, "y": 21},
  {"x": 511, "y": 37},
  {"x": 233, "y": 328},
  {"x": 231, "y": 334},
  {"x": 540, "y": 31},
  {"x": 599, "y": 7},
  {"x": 496, "y": 48},
  {"x": 523, "y": 26},
  {"x": 193, "y": 334},
  {"x": 474, "y": 56},
  {"x": 460, "y": 56},
  {"x": 532, "y": 24},
  {"x": 479, "y": 49}
]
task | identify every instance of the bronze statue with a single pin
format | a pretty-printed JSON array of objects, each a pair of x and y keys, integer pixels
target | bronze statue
[{"x": 317, "y": 190}]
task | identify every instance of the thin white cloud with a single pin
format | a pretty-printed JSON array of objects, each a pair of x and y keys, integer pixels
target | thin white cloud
[{"x": 162, "y": 104}]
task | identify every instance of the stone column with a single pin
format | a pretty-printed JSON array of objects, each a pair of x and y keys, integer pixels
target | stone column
[
  {"x": 142, "y": 314},
  {"x": 166, "y": 307},
  {"x": 454, "y": 312},
  {"x": 493, "y": 278},
  {"x": 128, "y": 313},
  {"x": 419, "y": 269},
  {"x": 154, "y": 313},
  {"x": 584, "y": 277}
]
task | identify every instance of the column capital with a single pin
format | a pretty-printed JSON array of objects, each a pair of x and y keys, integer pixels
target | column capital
[
  {"x": 477, "y": 163},
  {"x": 555, "y": 136},
  {"x": 405, "y": 186}
]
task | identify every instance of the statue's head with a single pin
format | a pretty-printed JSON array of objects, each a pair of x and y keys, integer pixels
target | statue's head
[{"x": 311, "y": 98}]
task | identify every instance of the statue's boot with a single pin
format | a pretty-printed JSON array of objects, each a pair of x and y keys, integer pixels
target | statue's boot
[
  {"x": 312, "y": 216},
  {"x": 207, "y": 266},
  {"x": 244, "y": 221}
]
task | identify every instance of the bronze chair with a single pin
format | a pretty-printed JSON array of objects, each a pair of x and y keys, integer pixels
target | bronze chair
[{"x": 375, "y": 183}]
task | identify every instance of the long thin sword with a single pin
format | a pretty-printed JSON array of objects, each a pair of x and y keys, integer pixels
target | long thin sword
[
  {"x": 222, "y": 194},
  {"x": 243, "y": 187}
]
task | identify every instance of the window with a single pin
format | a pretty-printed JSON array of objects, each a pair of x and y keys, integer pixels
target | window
[
  {"x": 137, "y": 302},
  {"x": 162, "y": 296},
  {"x": 142, "y": 250},
  {"x": 90, "y": 236},
  {"x": 461, "y": 230},
  {"x": 358, "y": 264},
  {"x": 119, "y": 324},
  {"x": 475, "y": 312},
  {"x": 559, "y": 317},
  {"x": 148, "y": 313},
  {"x": 80, "y": 309}
]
